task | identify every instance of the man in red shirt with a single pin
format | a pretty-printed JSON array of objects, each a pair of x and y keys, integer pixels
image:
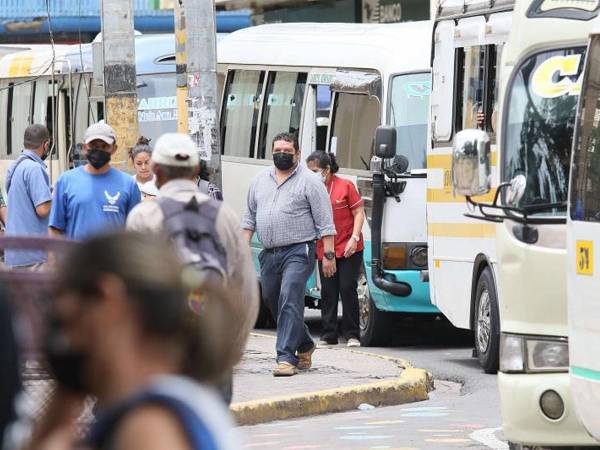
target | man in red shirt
[{"x": 348, "y": 218}]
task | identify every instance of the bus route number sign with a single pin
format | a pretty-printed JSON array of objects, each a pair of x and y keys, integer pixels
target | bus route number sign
[{"x": 584, "y": 253}]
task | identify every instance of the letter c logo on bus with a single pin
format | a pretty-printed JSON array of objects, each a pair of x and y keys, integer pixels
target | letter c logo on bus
[
  {"x": 553, "y": 77},
  {"x": 584, "y": 255}
]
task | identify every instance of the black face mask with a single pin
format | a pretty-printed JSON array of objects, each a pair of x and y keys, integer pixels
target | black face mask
[
  {"x": 98, "y": 158},
  {"x": 46, "y": 152},
  {"x": 283, "y": 161},
  {"x": 66, "y": 364}
]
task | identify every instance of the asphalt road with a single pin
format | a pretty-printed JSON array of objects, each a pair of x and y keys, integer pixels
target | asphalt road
[{"x": 463, "y": 411}]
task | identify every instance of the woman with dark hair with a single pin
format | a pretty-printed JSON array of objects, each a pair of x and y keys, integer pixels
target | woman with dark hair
[
  {"x": 121, "y": 330},
  {"x": 348, "y": 217},
  {"x": 141, "y": 157},
  {"x": 205, "y": 185}
]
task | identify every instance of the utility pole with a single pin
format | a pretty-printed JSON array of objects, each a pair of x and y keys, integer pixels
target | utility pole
[
  {"x": 118, "y": 50},
  {"x": 181, "y": 68},
  {"x": 201, "y": 49}
]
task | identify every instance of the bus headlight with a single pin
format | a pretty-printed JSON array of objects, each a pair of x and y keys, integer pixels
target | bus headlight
[
  {"x": 547, "y": 355},
  {"x": 533, "y": 354},
  {"x": 418, "y": 256}
]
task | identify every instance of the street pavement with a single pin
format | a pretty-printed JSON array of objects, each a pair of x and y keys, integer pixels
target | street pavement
[
  {"x": 333, "y": 367},
  {"x": 463, "y": 411}
]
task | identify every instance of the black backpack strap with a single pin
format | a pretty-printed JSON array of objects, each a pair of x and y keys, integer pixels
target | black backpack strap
[{"x": 22, "y": 157}]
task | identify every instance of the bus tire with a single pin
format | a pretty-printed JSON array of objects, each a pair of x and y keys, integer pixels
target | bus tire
[
  {"x": 265, "y": 318},
  {"x": 486, "y": 323},
  {"x": 375, "y": 325}
]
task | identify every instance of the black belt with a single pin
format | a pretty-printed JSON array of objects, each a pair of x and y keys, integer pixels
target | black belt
[{"x": 283, "y": 247}]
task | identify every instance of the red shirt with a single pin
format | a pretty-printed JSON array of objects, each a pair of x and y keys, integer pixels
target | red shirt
[{"x": 344, "y": 198}]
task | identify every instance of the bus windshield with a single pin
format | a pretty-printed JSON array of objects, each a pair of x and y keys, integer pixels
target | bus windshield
[
  {"x": 585, "y": 188},
  {"x": 157, "y": 104},
  {"x": 409, "y": 113},
  {"x": 542, "y": 102}
]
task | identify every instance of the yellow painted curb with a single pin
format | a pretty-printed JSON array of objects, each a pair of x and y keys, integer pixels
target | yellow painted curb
[{"x": 412, "y": 386}]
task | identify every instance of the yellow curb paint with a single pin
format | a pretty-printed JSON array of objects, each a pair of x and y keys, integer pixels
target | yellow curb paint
[
  {"x": 262, "y": 335},
  {"x": 411, "y": 386}
]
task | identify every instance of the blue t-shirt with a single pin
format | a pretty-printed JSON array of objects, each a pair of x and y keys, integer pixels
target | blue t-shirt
[
  {"x": 29, "y": 188},
  {"x": 85, "y": 205}
]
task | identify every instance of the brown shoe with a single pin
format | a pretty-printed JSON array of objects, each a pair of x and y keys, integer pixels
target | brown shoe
[
  {"x": 285, "y": 369},
  {"x": 305, "y": 359}
]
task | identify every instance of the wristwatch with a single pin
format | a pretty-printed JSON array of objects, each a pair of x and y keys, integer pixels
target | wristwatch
[
  {"x": 329, "y": 255},
  {"x": 355, "y": 237}
]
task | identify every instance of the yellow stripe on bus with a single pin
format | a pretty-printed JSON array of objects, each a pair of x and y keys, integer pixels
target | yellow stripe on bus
[
  {"x": 462, "y": 230},
  {"x": 20, "y": 66},
  {"x": 445, "y": 196},
  {"x": 445, "y": 161}
]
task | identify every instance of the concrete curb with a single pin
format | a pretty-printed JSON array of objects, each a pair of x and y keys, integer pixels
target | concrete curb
[{"x": 412, "y": 386}]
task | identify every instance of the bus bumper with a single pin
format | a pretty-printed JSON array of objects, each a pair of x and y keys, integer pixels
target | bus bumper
[
  {"x": 418, "y": 301},
  {"x": 523, "y": 421}
]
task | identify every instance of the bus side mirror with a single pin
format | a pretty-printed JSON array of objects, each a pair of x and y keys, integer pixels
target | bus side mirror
[
  {"x": 471, "y": 163},
  {"x": 385, "y": 142}
]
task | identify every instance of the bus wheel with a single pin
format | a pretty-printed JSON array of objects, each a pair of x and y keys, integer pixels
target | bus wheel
[
  {"x": 265, "y": 318},
  {"x": 375, "y": 325},
  {"x": 487, "y": 323}
]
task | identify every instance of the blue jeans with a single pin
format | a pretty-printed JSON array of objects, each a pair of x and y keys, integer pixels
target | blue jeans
[{"x": 284, "y": 273}]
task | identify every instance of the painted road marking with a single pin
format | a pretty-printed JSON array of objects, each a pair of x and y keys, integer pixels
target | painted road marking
[
  {"x": 365, "y": 437},
  {"x": 439, "y": 431},
  {"x": 426, "y": 408},
  {"x": 487, "y": 437},
  {"x": 447, "y": 440},
  {"x": 424, "y": 414},
  {"x": 385, "y": 422},
  {"x": 359, "y": 427}
]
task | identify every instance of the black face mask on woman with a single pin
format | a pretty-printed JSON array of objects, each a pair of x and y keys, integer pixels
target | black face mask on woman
[
  {"x": 66, "y": 364},
  {"x": 283, "y": 161},
  {"x": 98, "y": 158}
]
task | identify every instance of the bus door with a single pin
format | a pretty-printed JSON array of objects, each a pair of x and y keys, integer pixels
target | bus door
[
  {"x": 313, "y": 136},
  {"x": 464, "y": 96},
  {"x": 583, "y": 242}
]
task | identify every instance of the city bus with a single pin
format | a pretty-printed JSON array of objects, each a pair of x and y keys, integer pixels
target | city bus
[
  {"x": 583, "y": 234},
  {"x": 56, "y": 87},
  {"x": 333, "y": 85},
  {"x": 522, "y": 208}
]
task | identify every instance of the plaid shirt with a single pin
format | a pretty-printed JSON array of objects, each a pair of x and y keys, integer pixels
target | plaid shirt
[{"x": 298, "y": 210}]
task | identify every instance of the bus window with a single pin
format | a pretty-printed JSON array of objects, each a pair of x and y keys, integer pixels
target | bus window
[
  {"x": 477, "y": 88},
  {"x": 240, "y": 112},
  {"x": 283, "y": 108},
  {"x": 80, "y": 108},
  {"x": 40, "y": 96},
  {"x": 409, "y": 113},
  {"x": 473, "y": 82},
  {"x": 3, "y": 116},
  {"x": 355, "y": 118},
  {"x": 323, "y": 111},
  {"x": 157, "y": 105},
  {"x": 20, "y": 115}
]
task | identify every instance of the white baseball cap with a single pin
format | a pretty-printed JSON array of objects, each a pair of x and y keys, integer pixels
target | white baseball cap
[
  {"x": 175, "y": 149},
  {"x": 100, "y": 131}
]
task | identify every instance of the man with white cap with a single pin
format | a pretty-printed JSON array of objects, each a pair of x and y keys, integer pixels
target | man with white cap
[
  {"x": 94, "y": 198},
  {"x": 176, "y": 164}
]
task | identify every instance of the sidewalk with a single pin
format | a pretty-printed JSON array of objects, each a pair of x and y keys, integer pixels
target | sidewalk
[{"x": 340, "y": 379}]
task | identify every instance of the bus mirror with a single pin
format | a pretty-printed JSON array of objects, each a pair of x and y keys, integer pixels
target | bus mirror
[
  {"x": 385, "y": 142},
  {"x": 471, "y": 172}
]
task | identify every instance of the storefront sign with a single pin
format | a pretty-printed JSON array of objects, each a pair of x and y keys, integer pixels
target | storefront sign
[{"x": 392, "y": 11}]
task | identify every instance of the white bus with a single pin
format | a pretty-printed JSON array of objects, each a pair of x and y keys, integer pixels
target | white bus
[
  {"x": 540, "y": 81},
  {"x": 467, "y": 47},
  {"x": 583, "y": 236},
  {"x": 334, "y": 84}
]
